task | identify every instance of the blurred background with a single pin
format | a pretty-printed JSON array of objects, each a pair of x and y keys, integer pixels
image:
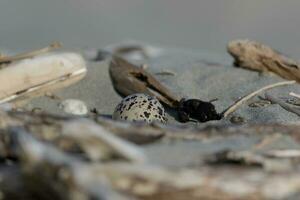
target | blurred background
[{"x": 196, "y": 24}]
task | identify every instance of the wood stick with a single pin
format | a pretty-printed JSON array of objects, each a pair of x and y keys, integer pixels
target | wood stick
[
  {"x": 46, "y": 171},
  {"x": 294, "y": 95},
  {"x": 238, "y": 103},
  {"x": 41, "y": 74},
  {"x": 51, "y": 47},
  {"x": 284, "y": 105},
  {"x": 128, "y": 79}
]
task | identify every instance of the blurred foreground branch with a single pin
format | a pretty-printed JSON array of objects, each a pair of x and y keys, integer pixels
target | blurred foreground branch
[{"x": 70, "y": 158}]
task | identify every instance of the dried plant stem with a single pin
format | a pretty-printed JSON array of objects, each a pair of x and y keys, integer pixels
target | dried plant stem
[
  {"x": 238, "y": 103},
  {"x": 51, "y": 47},
  {"x": 282, "y": 104},
  {"x": 294, "y": 95}
]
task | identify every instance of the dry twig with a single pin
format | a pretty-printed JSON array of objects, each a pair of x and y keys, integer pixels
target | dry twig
[
  {"x": 284, "y": 105},
  {"x": 48, "y": 172},
  {"x": 294, "y": 95},
  {"x": 166, "y": 73},
  {"x": 238, "y": 103},
  {"x": 51, "y": 47}
]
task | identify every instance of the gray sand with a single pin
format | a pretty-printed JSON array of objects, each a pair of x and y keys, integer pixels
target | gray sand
[{"x": 198, "y": 75}]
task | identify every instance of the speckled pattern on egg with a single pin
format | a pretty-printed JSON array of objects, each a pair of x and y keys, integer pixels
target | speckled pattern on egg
[{"x": 140, "y": 107}]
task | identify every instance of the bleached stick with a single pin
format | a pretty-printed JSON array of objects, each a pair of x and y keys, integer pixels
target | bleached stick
[
  {"x": 41, "y": 73},
  {"x": 294, "y": 95},
  {"x": 284, "y": 105},
  {"x": 51, "y": 47},
  {"x": 238, "y": 103}
]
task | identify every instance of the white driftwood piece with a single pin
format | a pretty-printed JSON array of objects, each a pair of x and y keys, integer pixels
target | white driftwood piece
[{"x": 35, "y": 76}]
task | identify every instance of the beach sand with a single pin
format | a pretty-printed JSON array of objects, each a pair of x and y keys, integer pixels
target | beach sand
[{"x": 197, "y": 74}]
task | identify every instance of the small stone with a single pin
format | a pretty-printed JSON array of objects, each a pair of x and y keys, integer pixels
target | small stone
[
  {"x": 37, "y": 110},
  {"x": 73, "y": 106},
  {"x": 260, "y": 104},
  {"x": 293, "y": 101},
  {"x": 237, "y": 119},
  {"x": 140, "y": 107}
]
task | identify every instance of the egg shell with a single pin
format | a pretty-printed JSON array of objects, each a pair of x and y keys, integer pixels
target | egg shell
[{"x": 140, "y": 107}]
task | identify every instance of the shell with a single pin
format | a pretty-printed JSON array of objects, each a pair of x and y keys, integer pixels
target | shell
[
  {"x": 140, "y": 107},
  {"x": 34, "y": 76},
  {"x": 73, "y": 106}
]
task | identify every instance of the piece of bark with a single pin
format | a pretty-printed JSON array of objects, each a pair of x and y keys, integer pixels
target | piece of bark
[
  {"x": 98, "y": 143},
  {"x": 49, "y": 127},
  {"x": 129, "y": 79},
  {"x": 286, "y": 106},
  {"x": 39, "y": 75},
  {"x": 30, "y": 54},
  {"x": 51, "y": 172},
  {"x": 95, "y": 144},
  {"x": 256, "y": 56},
  {"x": 294, "y": 95},
  {"x": 239, "y": 102},
  {"x": 65, "y": 177}
]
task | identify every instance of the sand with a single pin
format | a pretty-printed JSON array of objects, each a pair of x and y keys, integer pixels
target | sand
[{"x": 198, "y": 74}]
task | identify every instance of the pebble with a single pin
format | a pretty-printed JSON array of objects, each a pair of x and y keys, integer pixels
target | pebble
[
  {"x": 74, "y": 107},
  {"x": 37, "y": 110},
  {"x": 293, "y": 101},
  {"x": 237, "y": 119},
  {"x": 260, "y": 104},
  {"x": 140, "y": 107}
]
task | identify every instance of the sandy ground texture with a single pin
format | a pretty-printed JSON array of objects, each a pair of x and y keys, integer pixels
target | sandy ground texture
[
  {"x": 242, "y": 163},
  {"x": 194, "y": 74},
  {"x": 191, "y": 74}
]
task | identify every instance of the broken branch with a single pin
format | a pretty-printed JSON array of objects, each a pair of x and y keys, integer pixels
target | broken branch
[
  {"x": 238, "y": 103},
  {"x": 282, "y": 104},
  {"x": 51, "y": 47},
  {"x": 255, "y": 56},
  {"x": 294, "y": 95}
]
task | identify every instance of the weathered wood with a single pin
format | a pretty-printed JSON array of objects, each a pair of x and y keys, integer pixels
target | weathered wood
[
  {"x": 31, "y": 54},
  {"x": 46, "y": 127},
  {"x": 284, "y": 105},
  {"x": 259, "y": 57},
  {"x": 129, "y": 79},
  {"x": 52, "y": 161},
  {"x": 27, "y": 78}
]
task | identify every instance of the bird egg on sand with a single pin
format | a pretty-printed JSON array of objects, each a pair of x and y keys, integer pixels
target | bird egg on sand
[{"x": 140, "y": 107}]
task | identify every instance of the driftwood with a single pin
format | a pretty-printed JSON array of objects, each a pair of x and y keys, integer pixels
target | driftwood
[
  {"x": 35, "y": 73},
  {"x": 129, "y": 79},
  {"x": 294, "y": 95},
  {"x": 238, "y": 103},
  {"x": 255, "y": 56},
  {"x": 31, "y": 54},
  {"x": 284, "y": 105},
  {"x": 73, "y": 158}
]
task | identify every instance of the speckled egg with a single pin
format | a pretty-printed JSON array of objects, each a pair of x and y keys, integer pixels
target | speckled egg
[{"x": 140, "y": 107}]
